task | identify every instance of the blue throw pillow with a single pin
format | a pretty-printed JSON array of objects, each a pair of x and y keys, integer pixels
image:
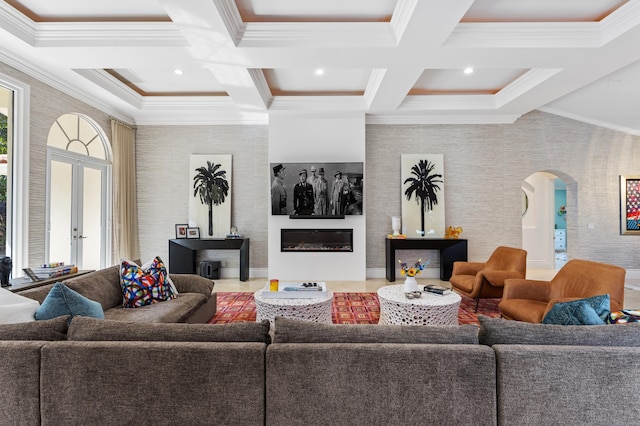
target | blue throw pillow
[
  {"x": 61, "y": 300},
  {"x": 591, "y": 311}
]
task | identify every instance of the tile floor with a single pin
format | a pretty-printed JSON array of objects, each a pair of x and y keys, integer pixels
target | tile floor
[{"x": 631, "y": 295}]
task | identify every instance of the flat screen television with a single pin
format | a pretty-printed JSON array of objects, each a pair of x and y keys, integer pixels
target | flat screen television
[{"x": 317, "y": 190}]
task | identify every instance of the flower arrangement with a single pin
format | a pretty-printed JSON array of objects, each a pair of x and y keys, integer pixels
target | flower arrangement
[
  {"x": 413, "y": 270},
  {"x": 453, "y": 233}
]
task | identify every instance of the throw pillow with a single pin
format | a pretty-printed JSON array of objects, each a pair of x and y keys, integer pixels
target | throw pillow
[
  {"x": 144, "y": 285},
  {"x": 297, "y": 331},
  {"x": 53, "y": 329},
  {"x": 15, "y": 308},
  {"x": 591, "y": 311},
  {"x": 61, "y": 300},
  {"x": 109, "y": 330},
  {"x": 498, "y": 331}
]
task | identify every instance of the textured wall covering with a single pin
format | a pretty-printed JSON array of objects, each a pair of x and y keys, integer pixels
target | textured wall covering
[
  {"x": 485, "y": 166},
  {"x": 165, "y": 185}
]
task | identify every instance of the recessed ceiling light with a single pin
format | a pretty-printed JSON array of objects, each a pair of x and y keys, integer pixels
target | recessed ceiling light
[
  {"x": 178, "y": 71},
  {"x": 468, "y": 70},
  {"x": 319, "y": 71}
]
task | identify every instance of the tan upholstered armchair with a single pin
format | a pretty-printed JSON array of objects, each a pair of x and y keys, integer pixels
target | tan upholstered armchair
[
  {"x": 486, "y": 279},
  {"x": 530, "y": 300}
]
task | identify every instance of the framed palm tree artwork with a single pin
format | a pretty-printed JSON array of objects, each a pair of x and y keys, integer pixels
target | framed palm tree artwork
[
  {"x": 422, "y": 183},
  {"x": 210, "y": 195}
]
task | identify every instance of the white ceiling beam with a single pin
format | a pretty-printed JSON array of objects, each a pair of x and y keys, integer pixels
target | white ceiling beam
[
  {"x": 423, "y": 25},
  {"x": 216, "y": 50}
]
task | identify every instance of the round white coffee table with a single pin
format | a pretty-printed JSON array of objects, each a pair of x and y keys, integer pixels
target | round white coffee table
[
  {"x": 312, "y": 309},
  {"x": 430, "y": 309}
]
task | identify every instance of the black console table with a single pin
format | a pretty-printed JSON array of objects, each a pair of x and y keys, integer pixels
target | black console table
[
  {"x": 450, "y": 251},
  {"x": 182, "y": 253}
]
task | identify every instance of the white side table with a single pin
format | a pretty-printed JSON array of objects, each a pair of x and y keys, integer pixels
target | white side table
[
  {"x": 317, "y": 309},
  {"x": 430, "y": 309}
]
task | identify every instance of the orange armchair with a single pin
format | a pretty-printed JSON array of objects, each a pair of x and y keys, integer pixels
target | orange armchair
[
  {"x": 486, "y": 279},
  {"x": 530, "y": 300}
]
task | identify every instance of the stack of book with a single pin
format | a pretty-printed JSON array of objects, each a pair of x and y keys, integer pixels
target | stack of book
[
  {"x": 297, "y": 290},
  {"x": 53, "y": 270},
  {"x": 436, "y": 289}
]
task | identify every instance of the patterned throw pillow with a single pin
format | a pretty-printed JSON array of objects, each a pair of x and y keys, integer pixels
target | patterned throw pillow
[{"x": 144, "y": 285}]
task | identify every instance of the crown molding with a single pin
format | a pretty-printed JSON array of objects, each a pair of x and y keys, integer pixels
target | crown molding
[
  {"x": 231, "y": 19},
  {"x": 261, "y": 85},
  {"x": 375, "y": 80},
  {"x": 49, "y": 79},
  {"x": 67, "y": 34},
  {"x": 318, "y": 34},
  {"x": 525, "y": 83},
  {"x": 448, "y": 102},
  {"x": 318, "y": 103},
  {"x": 587, "y": 120},
  {"x": 523, "y": 35},
  {"x": 623, "y": 19},
  {"x": 402, "y": 17},
  {"x": 17, "y": 24},
  {"x": 109, "y": 83},
  {"x": 440, "y": 119}
]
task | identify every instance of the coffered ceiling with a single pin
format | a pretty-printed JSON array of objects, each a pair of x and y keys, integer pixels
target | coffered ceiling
[{"x": 398, "y": 61}]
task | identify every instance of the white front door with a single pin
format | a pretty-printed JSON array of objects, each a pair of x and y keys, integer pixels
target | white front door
[{"x": 76, "y": 210}]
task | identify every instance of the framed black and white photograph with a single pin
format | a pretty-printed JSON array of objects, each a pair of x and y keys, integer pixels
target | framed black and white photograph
[
  {"x": 210, "y": 194},
  {"x": 181, "y": 230},
  {"x": 422, "y": 186},
  {"x": 193, "y": 233},
  {"x": 317, "y": 189}
]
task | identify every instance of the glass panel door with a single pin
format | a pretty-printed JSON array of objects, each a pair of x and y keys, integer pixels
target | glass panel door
[{"x": 77, "y": 213}]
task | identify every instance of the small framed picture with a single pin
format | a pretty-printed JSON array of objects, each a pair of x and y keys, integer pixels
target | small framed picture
[
  {"x": 181, "y": 231},
  {"x": 193, "y": 232}
]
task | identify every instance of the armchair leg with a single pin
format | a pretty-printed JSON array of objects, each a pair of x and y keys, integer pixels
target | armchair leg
[{"x": 479, "y": 294}]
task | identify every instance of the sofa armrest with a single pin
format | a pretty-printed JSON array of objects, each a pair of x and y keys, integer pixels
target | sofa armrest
[
  {"x": 518, "y": 288},
  {"x": 467, "y": 268},
  {"x": 191, "y": 283}
]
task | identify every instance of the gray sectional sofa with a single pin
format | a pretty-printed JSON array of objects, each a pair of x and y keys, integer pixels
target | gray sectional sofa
[
  {"x": 114, "y": 373},
  {"x": 196, "y": 302}
]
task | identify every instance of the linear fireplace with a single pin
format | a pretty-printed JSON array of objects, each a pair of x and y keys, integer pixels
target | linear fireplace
[{"x": 309, "y": 240}]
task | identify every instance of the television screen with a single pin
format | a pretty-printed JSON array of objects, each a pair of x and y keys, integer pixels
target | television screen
[{"x": 316, "y": 190}]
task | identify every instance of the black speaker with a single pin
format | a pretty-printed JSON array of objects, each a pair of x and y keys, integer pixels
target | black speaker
[{"x": 210, "y": 269}]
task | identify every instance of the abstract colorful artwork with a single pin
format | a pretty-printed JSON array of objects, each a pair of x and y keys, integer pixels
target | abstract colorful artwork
[{"x": 630, "y": 205}]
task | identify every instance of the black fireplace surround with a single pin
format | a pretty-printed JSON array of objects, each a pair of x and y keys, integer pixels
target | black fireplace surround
[{"x": 311, "y": 240}]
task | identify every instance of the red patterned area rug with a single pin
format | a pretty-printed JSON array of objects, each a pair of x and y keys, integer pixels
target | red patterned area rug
[{"x": 348, "y": 308}]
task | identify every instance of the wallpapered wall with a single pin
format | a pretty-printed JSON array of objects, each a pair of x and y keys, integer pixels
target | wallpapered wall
[{"x": 484, "y": 168}]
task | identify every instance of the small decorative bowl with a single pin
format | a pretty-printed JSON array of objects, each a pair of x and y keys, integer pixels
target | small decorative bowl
[{"x": 413, "y": 295}]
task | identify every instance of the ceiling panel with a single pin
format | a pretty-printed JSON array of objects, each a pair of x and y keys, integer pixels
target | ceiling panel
[
  {"x": 540, "y": 10},
  {"x": 480, "y": 81}
]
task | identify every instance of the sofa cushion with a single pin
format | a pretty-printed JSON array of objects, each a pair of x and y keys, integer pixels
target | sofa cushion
[
  {"x": 53, "y": 329},
  {"x": 102, "y": 285},
  {"x": 146, "y": 285},
  {"x": 494, "y": 331},
  {"x": 297, "y": 331},
  {"x": 175, "y": 310},
  {"x": 62, "y": 300},
  {"x": 16, "y": 308},
  {"x": 107, "y": 330},
  {"x": 590, "y": 311}
]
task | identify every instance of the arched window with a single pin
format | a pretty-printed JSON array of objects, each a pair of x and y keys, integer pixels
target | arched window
[{"x": 78, "y": 193}]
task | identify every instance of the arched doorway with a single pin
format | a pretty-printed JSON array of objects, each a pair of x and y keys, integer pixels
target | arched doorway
[
  {"x": 549, "y": 198},
  {"x": 78, "y": 193}
]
